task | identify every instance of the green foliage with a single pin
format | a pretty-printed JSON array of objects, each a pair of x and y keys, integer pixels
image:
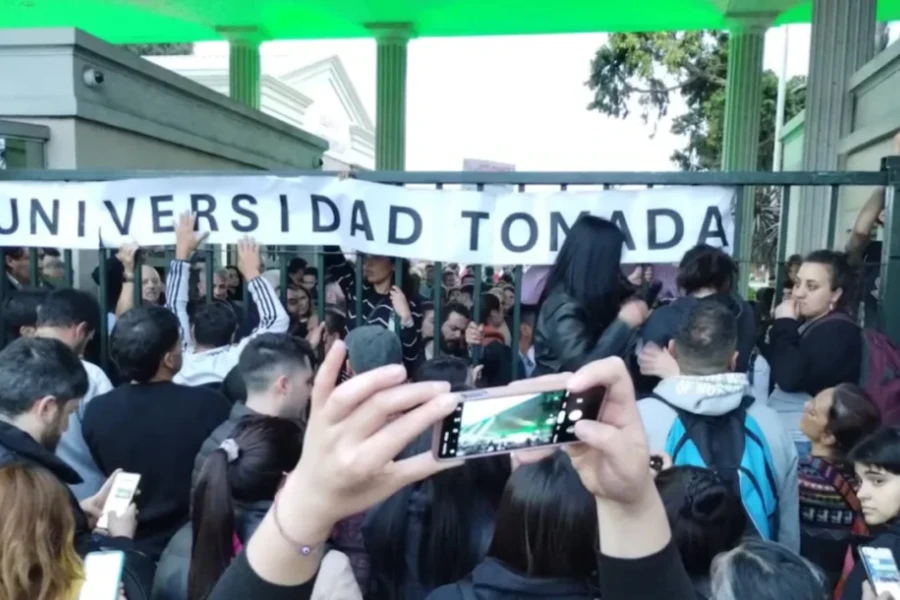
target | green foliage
[
  {"x": 643, "y": 70},
  {"x": 160, "y": 49}
]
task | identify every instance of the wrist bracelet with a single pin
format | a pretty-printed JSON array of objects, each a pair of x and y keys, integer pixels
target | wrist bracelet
[{"x": 302, "y": 549}]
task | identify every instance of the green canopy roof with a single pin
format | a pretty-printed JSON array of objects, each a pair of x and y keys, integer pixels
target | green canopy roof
[{"x": 159, "y": 21}]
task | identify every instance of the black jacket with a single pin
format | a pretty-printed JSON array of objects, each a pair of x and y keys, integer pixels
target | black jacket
[
  {"x": 493, "y": 580},
  {"x": 564, "y": 338},
  {"x": 827, "y": 353}
]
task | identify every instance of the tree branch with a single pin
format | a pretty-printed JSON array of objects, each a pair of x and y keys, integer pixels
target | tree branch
[
  {"x": 698, "y": 73},
  {"x": 638, "y": 90}
]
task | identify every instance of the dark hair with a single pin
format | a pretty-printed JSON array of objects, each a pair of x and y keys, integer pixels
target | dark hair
[
  {"x": 705, "y": 267},
  {"x": 33, "y": 368},
  {"x": 489, "y": 303},
  {"x": 13, "y": 252},
  {"x": 335, "y": 322},
  {"x": 214, "y": 325},
  {"x": 456, "y": 506},
  {"x": 451, "y": 369},
  {"x": 852, "y": 417},
  {"x": 588, "y": 269},
  {"x": 455, "y": 307},
  {"x": 69, "y": 308},
  {"x": 496, "y": 362},
  {"x": 705, "y": 515},
  {"x": 233, "y": 387},
  {"x": 309, "y": 298},
  {"x": 20, "y": 309},
  {"x": 706, "y": 340},
  {"x": 794, "y": 260},
  {"x": 842, "y": 274},
  {"x": 239, "y": 290},
  {"x": 267, "y": 447},
  {"x": 763, "y": 570},
  {"x": 51, "y": 252},
  {"x": 296, "y": 265},
  {"x": 547, "y": 522},
  {"x": 528, "y": 315},
  {"x": 141, "y": 339},
  {"x": 271, "y": 355},
  {"x": 311, "y": 271},
  {"x": 880, "y": 449}
]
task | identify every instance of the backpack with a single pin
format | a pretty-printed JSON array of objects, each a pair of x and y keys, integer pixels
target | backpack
[
  {"x": 879, "y": 371},
  {"x": 734, "y": 447}
]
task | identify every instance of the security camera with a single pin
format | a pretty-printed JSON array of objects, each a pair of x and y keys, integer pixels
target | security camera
[{"x": 93, "y": 77}]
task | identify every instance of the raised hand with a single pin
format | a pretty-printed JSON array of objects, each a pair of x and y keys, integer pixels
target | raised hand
[
  {"x": 249, "y": 260},
  {"x": 186, "y": 241}
]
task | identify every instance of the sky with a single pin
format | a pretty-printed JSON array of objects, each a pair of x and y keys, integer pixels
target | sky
[{"x": 518, "y": 100}]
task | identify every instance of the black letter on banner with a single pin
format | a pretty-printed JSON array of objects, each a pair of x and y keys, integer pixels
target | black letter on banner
[
  {"x": 317, "y": 215},
  {"x": 244, "y": 212},
  {"x": 532, "y": 232},
  {"x": 556, "y": 223},
  {"x": 707, "y": 231},
  {"x": 392, "y": 226},
  {"x": 82, "y": 209},
  {"x": 159, "y": 214},
  {"x": 14, "y": 210},
  {"x": 618, "y": 219},
  {"x": 476, "y": 217},
  {"x": 37, "y": 210},
  {"x": 206, "y": 213},
  {"x": 283, "y": 200},
  {"x": 359, "y": 212},
  {"x": 653, "y": 242},
  {"x": 129, "y": 210}
]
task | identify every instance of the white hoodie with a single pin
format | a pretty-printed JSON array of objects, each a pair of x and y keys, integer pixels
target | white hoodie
[
  {"x": 717, "y": 395},
  {"x": 212, "y": 366}
]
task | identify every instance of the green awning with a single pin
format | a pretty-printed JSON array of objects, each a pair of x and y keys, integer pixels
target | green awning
[{"x": 168, "y": 21}]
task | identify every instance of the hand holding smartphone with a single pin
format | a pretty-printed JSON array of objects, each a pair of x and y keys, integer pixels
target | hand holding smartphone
[
  {"x": 881, "y": 569},
  {"x": 124, "y": 488},
  {"x": 501, "y": 420},
  {"x": 102, "y": 576}
]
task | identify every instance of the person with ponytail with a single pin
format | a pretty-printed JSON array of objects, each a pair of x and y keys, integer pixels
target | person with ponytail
[
  {"x": 706, "y": 517},
  {"x": 236, "y": 487}
]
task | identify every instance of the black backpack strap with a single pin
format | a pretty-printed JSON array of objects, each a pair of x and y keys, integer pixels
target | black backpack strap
[{"x": 681, "y": 414}]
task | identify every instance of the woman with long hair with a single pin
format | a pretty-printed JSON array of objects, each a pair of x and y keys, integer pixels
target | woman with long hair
[
  {"x": 234, "y": 491},
  {"x": 434, "y": 532},
  {"x": 37, "y": 553},
  {"x": 831, "y": 518},
  {"x": 300, "y": 308},
  {"x": 584, "y": 314},
  {"x": 545, "y": 541}
]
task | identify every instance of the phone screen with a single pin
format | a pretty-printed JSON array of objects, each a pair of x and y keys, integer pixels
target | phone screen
[
  {"x": 124, "y": 488},
  {"x": 494, "y": 425},
  {"x": 102, "y": 576},
  {"x": 882, "y": 570}
]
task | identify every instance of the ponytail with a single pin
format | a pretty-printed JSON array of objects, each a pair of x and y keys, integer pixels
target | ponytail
[{"x": 213, "y": 526}]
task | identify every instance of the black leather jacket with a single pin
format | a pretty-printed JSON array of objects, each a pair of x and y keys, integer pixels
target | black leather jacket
[{"x": 563, "y": 340}]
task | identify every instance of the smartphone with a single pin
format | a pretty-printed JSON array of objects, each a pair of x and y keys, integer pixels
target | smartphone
[
  {"x": 102, "y": 576},
  {"x": 881, "y": 569},
  {"x": 124, "y": 487},
  {"x": 501, "y": 420}
]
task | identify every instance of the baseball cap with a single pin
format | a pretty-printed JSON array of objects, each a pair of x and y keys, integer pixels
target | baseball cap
[{"x": 371, "y": 346}]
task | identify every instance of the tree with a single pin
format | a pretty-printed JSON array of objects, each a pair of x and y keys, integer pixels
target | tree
[
  {"x": 160, "y": 49},
  {"x": 643, "y": 70}
]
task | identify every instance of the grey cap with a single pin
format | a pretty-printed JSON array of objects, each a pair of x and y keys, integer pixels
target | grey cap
[{"x": 371, "y": 346}]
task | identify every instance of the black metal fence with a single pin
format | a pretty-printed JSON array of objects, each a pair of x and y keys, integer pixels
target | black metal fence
[{"x": 780, "y": 186}]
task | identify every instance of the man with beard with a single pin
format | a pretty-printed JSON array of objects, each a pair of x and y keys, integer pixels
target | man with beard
[
  {"x": 72, "y": 317},
  {"x": 453, "y": 333},
  {"x": 41, "y": 382}
]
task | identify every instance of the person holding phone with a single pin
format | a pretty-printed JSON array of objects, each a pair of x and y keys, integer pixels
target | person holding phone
[{"x": 585, "y": 312}]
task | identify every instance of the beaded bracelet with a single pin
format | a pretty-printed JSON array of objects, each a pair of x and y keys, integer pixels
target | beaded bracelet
[{"x": 302, "y": 549}]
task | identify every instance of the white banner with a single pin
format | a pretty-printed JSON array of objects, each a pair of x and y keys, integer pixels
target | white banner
[{"x": 659, "y": 224}]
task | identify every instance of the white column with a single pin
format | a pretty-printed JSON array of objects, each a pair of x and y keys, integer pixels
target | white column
[
  {"x": 390, "y": 109},
  {"x": 244, "y": 71},
  {"x": 843, "y": 40},
  {"x": 743, "y": 105}
]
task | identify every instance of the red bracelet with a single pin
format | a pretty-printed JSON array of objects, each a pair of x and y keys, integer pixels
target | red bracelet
[{"x": 302, "y": 549}]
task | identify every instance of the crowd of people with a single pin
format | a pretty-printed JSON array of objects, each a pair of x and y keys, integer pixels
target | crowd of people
[{"x": 744, "y": 451}]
